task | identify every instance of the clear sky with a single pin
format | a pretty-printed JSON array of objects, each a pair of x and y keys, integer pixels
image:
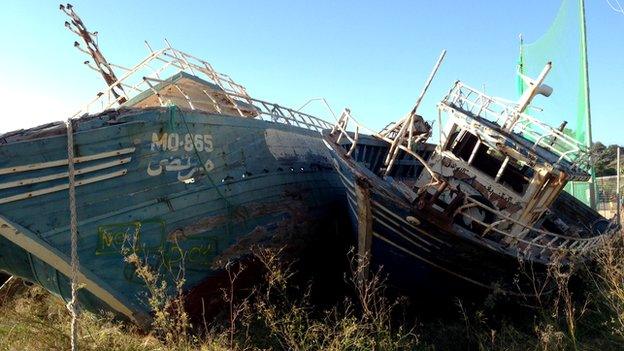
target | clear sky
[{"x": 371, "y": 56}]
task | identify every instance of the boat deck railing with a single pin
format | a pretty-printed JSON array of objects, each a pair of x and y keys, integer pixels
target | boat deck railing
[
  {"x": 229, "y": 96},
  {"x": 393, "y": 139},
  {"x": 539, "y": 134},
  {"x": 528, "y": 241}
]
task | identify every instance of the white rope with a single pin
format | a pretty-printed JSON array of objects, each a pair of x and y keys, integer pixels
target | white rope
[{"x": 74, "y": 236}]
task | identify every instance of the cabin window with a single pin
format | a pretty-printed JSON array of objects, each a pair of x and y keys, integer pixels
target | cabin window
[{"x": 504, "y": 169}]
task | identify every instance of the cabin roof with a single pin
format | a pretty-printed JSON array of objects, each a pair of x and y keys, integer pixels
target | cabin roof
[{"x": 517, "y": 142}]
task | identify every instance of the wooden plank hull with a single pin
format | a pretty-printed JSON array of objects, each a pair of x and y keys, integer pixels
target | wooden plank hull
[
  {"x": 173, "y": 186},
  {"x": 419, "y": 253}
]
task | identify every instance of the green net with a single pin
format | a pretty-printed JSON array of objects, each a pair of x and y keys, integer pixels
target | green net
[{"x": 563, "y": 44}]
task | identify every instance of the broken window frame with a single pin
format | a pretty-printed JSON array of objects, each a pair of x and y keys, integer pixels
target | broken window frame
[{"x": 457, "y": 135}]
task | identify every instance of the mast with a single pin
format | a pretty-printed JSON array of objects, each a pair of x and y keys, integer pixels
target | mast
[
  {"x": 102, "y": 66},
  {"x": 588, "y": 139}
]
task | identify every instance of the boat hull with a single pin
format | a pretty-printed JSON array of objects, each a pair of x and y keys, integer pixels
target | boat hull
[
  {"x": 177, "y": 188},
  {"x": 421, "y": 254}
]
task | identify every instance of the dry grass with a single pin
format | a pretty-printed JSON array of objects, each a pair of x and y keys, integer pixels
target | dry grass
[{"x": 278, "y": 315}]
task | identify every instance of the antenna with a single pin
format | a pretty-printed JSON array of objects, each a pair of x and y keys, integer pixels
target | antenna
[
  {"x": 76, "y": 25},
  {"x": 534, "y": 87}
]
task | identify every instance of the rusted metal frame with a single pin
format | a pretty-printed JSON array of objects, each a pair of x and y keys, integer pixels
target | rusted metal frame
[
  {"x": 409, "y": 119},
  {"x": 530, "y": 244},
  {"x": 303, "y": 117},
  {"x": 167, "y": 64},
  {"x": 128, "y": 74},
  {"x": 214, "y": 102},
  {"x": 355, "y": 141},
  {"x": 525, "y": 121},
  {"x": 275, "y": 111},
  {"x": 482, "y": 106},
  {"x": 268, "y": 111},
  {"x": 542, "y": 232},
  {"x": 175, "y": 53},
  {"x": 153, "y": 89},
  {"x": 179, "y": 60},
  {"x": 340, "y": 119},
  {"x": 474, "y": 151},
  {"x": 157, "y": 73},
  {"x": 438, "y": 191},
  {"x": 464, "y": 207},
  {"x": 421, "y": 160},
  {"x": 499, "y": 174},
  {"x": 119, "y": 66},
  {"x": 294, "y": 118},
  {"x": 323, "y": 123},
  {"x": 188, "y": 99},
  {"x": 209, "y": 71},
  {"x": 183, "y": 61},
  {"x": 300, "y": 119},
  {"x": 492, "y": 225},
  {"x": 549, "y": 244},
  {"x": 393, "y": 152},
  {"x": 573, "y": 246},
  {"x": 341, "y": 126},
  {"x": 179, "y": 64},
  {"x": 218, "y": 76},
  {"x": 131, "y": 87},
  {"x": 410, "y": 134},
  {"x": 93, "y": 49}
]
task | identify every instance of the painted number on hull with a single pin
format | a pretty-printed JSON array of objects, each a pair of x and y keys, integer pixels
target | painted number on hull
[
  {"x": 185, "y": 166},
  {"x": 175, "y": 142}
]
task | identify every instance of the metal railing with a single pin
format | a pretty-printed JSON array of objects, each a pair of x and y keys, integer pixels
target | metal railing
[
  {"x": 228, "y": 97},
  {"x": 544, "y": 244},
  {"x": 502, "y": 113},
  {"x": 342, "y": 125}
]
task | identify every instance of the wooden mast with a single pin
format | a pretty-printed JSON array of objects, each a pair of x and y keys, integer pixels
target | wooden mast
[{"x": 101, "y": 65}]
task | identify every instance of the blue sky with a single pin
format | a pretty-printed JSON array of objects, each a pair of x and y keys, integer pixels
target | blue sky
[{"x": 370, "y": 56}]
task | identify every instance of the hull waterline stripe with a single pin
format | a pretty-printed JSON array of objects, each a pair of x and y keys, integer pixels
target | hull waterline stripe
[
  {"x": 377, "y": 204},
  {"x": 400, "y": 234},
  {"x": 380, "y": 215},
  {"x": 345, "y": 178},
  {"x": 353, "y": 206},
  {"x": 64, "y": 162},
  {"x": 377, "y": 235},
  {"x": 62, "y": 187},
  {"x": 55, "y": 261}
]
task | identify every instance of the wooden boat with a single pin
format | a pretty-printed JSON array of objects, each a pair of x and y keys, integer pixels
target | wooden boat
[
  {"x": 477, "y": 207},
  {"x": 182, "y": 167}
]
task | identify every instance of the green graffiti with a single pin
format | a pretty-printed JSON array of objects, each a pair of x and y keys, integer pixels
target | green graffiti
[
  {"x": 154, "y": 249},
  {"x": 113, "y": 238}
]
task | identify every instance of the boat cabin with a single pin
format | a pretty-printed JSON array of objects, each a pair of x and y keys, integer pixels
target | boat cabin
[{"x": 508, "y": 165}]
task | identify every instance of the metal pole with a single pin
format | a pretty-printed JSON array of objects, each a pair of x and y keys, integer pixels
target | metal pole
[
  {"x": 592, "y": 185},
  {"x": 617, "y": 185}
]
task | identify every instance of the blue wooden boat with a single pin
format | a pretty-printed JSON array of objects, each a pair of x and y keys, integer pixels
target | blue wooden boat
[
  {"x": 484, "y": 208},
  {"x": 182, "y": 167}
]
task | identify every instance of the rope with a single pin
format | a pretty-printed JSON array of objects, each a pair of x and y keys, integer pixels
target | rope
[
  {"x": 228, "y": 205},
  {"x": 74, "y": 236}
]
